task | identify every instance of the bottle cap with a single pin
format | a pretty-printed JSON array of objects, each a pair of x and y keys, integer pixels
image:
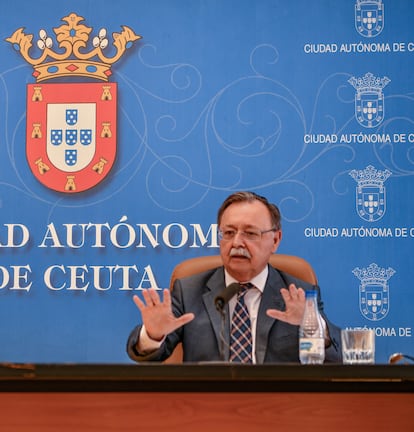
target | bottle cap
[{"x": 310, "y": 293}]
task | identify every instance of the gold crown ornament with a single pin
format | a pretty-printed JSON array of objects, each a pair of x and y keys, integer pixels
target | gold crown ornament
[{"x": 72, "y": 59}]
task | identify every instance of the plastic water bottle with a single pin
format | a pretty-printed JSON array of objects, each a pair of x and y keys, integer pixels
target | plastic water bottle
[{"x": 311, "y": 332}]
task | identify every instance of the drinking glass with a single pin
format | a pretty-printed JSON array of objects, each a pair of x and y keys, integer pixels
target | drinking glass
[{"x": 358, "y": 346}]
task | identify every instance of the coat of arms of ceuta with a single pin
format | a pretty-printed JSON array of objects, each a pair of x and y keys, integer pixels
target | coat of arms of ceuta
[{"x": 71, "y": 127}]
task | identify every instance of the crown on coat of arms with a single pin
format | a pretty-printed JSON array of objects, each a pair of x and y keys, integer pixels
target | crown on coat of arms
[
  {"x": 72, "y": 59},
  {"x": 373, "y": 273},
  {"x": 370, "y": 176},
  {"x": 369, "y": 83},
  {"x": 369, "y": 2}
]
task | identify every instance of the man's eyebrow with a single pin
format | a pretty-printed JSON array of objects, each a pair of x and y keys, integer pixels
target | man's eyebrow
[{"x": 243, "y": 227}]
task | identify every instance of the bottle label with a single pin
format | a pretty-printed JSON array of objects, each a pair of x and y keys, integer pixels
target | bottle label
[{"x": 312, "y": 345}]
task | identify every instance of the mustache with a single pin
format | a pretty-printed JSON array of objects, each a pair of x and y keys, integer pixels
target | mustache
[{"x": 240, "y": 251}]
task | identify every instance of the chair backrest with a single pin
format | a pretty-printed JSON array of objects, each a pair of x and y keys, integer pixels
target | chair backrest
[{"x": 291, "y": 264}]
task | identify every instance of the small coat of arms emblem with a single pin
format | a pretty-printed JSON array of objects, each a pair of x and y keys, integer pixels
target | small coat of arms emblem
[
  {"x": 374, "y": 300},
  {"x": 371, "y": 201},
  {"x": 71, "y": 127},
  {"x": 369, "y": 17},
  {"x": 369, "y": 99}
]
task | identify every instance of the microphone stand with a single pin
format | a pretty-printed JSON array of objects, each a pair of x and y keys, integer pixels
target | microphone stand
[
  {"x": 222, "y": 336},
  {"x": 220, "y": 301}
]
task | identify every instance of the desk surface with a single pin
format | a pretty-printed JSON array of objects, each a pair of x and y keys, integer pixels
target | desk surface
[
  {"x": 206, "y": 377},
  {"x": 205, "y": 397}
]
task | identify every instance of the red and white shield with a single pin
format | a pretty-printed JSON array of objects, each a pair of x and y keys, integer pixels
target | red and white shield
[{"x": 71, "y": 134}]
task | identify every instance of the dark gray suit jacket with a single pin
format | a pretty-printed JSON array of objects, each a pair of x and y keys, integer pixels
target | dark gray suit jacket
[{"x": 276, "y": 341}]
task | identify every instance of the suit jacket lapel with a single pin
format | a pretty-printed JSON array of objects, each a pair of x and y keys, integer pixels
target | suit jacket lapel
[{"x": 271, "y": 299}]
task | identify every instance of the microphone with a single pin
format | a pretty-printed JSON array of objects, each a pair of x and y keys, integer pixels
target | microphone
[
  {"x": 396, "y": 357},
  {"x": 222, "y": 299}
]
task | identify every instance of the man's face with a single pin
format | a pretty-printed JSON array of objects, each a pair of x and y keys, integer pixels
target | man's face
[{"x": 244, "y": 257}]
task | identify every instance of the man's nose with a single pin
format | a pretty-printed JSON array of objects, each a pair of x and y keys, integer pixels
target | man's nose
[{"x": 238, "y": 238}]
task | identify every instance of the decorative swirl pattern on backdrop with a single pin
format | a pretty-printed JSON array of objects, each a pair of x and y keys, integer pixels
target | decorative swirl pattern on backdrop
[
  {"x": 187, "y": 143},
  {"x": 241, "y": 130}
]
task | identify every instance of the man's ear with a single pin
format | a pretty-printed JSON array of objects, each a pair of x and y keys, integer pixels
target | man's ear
[{"x": 277, "y": 238}]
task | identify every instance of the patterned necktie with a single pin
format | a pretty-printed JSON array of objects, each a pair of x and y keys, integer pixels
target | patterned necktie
[{"x": 241, "y": 333}]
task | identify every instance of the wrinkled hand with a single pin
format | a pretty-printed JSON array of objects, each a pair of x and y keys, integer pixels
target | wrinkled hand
[
  {"x": 157, "y": 315},
  {"x": 295, "y": 306}
]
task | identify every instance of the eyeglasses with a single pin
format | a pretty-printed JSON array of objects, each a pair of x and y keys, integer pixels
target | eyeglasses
[{"x": 250, "y": 234}]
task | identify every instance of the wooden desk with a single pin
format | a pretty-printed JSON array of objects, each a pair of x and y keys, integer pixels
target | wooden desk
[{"x": 198, "y": 398}]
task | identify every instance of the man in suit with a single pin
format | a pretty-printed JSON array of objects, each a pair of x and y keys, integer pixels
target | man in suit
[{"x": 249, "y": 231}]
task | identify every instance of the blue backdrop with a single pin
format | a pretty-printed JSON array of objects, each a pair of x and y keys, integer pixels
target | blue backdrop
[{"x": 310, "y": 104}]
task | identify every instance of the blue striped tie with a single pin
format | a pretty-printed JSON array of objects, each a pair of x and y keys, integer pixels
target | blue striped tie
[{"x": 241, "y": 333}]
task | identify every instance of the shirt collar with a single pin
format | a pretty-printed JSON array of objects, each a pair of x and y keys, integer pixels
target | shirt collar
[{"x": 259, "y": 281}]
